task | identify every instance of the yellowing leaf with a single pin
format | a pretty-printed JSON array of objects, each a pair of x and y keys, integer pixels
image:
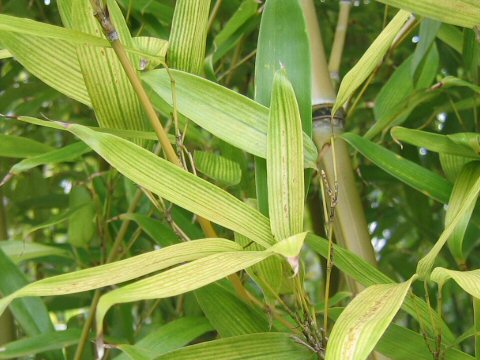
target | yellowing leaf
[{"x": 467, "y": 280}]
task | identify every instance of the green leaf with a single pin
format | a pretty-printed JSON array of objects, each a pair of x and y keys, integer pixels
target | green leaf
[
  {"x": 188, "y": 35},
  {"x": 81, "y": 224},
  {"x": 66, "y": 154},
  {"x": 367, "y": 275},
  {"x": 452, "y": 81},
  {"x": 193, "y": 275},
  {"x": 115, "y": 102},
  {"x": 410, "y": 173},
  {"x": 176, "y": 185},
  {"x": 457, "y": 12},
  {"x": 219, "y": 168},
  {"x": 232, "y": 117},
  {"x": 39, "y": 343},
  {"x": 171, "y": 336},
  {"x": 21, "y": 147},
  {"x": 135, "y": 353},
  {"x": 229, "y": 315},
  {"x": 452, "y": 36},
  {"x": 465, "y": 182},
  {"x": 427, "y": 34},
  {"x": 120, "y": 271},
  {"x": 462, "y": 200},
  {"x": 5, "y": 54},
  {"x": 31, "y": 314},
  {"x": 467, "y": 280},
  {"x": 283, "y": 41},
  {"x": 150, "y": 45},
  {"x": 161, "y": 233},
  {"x": 369, "y": 61},
  {"x": 262, "y": 346},
  {"x": 284, "y": 161},
  {"x": 432, "y": 142},
  {"x": 364, "y": 321},
  {"x": 19, "y": 251}
]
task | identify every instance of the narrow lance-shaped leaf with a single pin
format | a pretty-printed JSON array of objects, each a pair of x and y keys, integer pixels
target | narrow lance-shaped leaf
[
  {"x": 120, "y": 271},
  {"x": 365, "y": 319},
  {"x": 410, "y": 173},
  {"x": 460, "y": 208},
  {"x": 467, "y": 280},
  {"x": 191, "y": 276},
  {"x": 262, "y": 346},
  {"x": 372, "y": 57},
  {"x": 21, "y": 147},
  {"x": 284, "y": 161},
  {"x": 18, "y": 250},
  {"x": 464, "y": 13},
  {"x": 466, "y": 180},
  {"x": 431, "y": 141},
  {"x": 177, "y": 185},
  {"x": 188, "y": 35},
  {"x": 228, "y": 116},
  {"x": 115, "y": 102}
]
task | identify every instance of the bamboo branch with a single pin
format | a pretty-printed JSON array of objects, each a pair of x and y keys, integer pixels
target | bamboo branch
[{"x": 339, "y": 40}]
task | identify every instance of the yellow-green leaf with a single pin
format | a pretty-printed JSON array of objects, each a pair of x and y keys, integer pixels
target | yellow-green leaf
[
  {"x": 121, "y": 271},
  {"x": 467, "y": 280},
  {"x": 188, "y": 35},
  {"x": 285, "y": 161},
  {"x": 232, "y": 117},
  {"x": 460, "y": 207},
  {"x": 457, "y": 12},
  {"x": 372, "y": 57},
  {"x": 364, "y": 321},
  {"x": 225, "y": 171}
]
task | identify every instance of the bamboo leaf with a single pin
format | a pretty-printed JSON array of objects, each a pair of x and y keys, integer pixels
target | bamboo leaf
[
  {"x": 81, "y": 224},
  {"x": 367, "y": 275},
  {"x": 176, "y": 185},
  {"x": 135, "y": 353},
  {"x": 410, "y": 173},
  {"x": 364, "y": 321},
  {"x": 115, "y": 102},
  {"x": 39, "y": 343},
  {"x": 194, "y": 275},
  {"x": 464, "y": 13},
  {"x": 188, "y": 35},
  {"x": 171, "y": 336},
  {"x": 19, "y": 251},
  {"x": 284, "y": 161},
  {"x": 161, "y": 233},
  {"x": 31, "y": 314},
  {"x": 431, "y": 141},
  {"x": 219, "y": 168},
  {"x": 428, "y": 32},
  {"x": 369, "y": 61},
  {"x": 179, "y": 280},
  {"x": 462, "y": 201},
  {"x": 229, "y": 315},
  {"x": 21, "y": 147},
  {"x": 467, "y": 280},
  {"x": 283, "y": 41},
  {"x": 157, "y": 48},
  {"x": 120, "y": 271},
  {"x": 66, "y": 154},
  {"x": 262, "y": 346},
  {"x": 228, "y": 116}
]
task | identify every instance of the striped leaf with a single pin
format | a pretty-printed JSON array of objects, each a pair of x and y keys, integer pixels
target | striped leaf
[
  {"x": 457, "y": 12},
  {"x": 460, "y": 206},
  {"x": 121, "y": 271},
  {"x": 157, "y": 48},
  {"x": 364, "y": 320},
  {"x": 262, "y": 346},
  {"x": 232, "y": 117},
  {"x": 115, "y": 102},
  {"x": 18, "y": 250},
  {"x": 467, "y": 280},
  {"x": 188, "y": 35},
  {"x": 284, "y": 161},
  {"x": 176, "y": 185},
  {"x": 219, "y": 168},
  {"x": 370, "y": 59},
  {"x": 194, "y": 275}
]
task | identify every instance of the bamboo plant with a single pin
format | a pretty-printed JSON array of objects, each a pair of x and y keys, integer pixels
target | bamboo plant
[{"x": 157, "y": 159}]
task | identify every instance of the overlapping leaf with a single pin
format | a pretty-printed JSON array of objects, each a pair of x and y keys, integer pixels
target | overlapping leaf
[
  {"x": 232, "y": 117},
  {"x": 467, "y": 280}
]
